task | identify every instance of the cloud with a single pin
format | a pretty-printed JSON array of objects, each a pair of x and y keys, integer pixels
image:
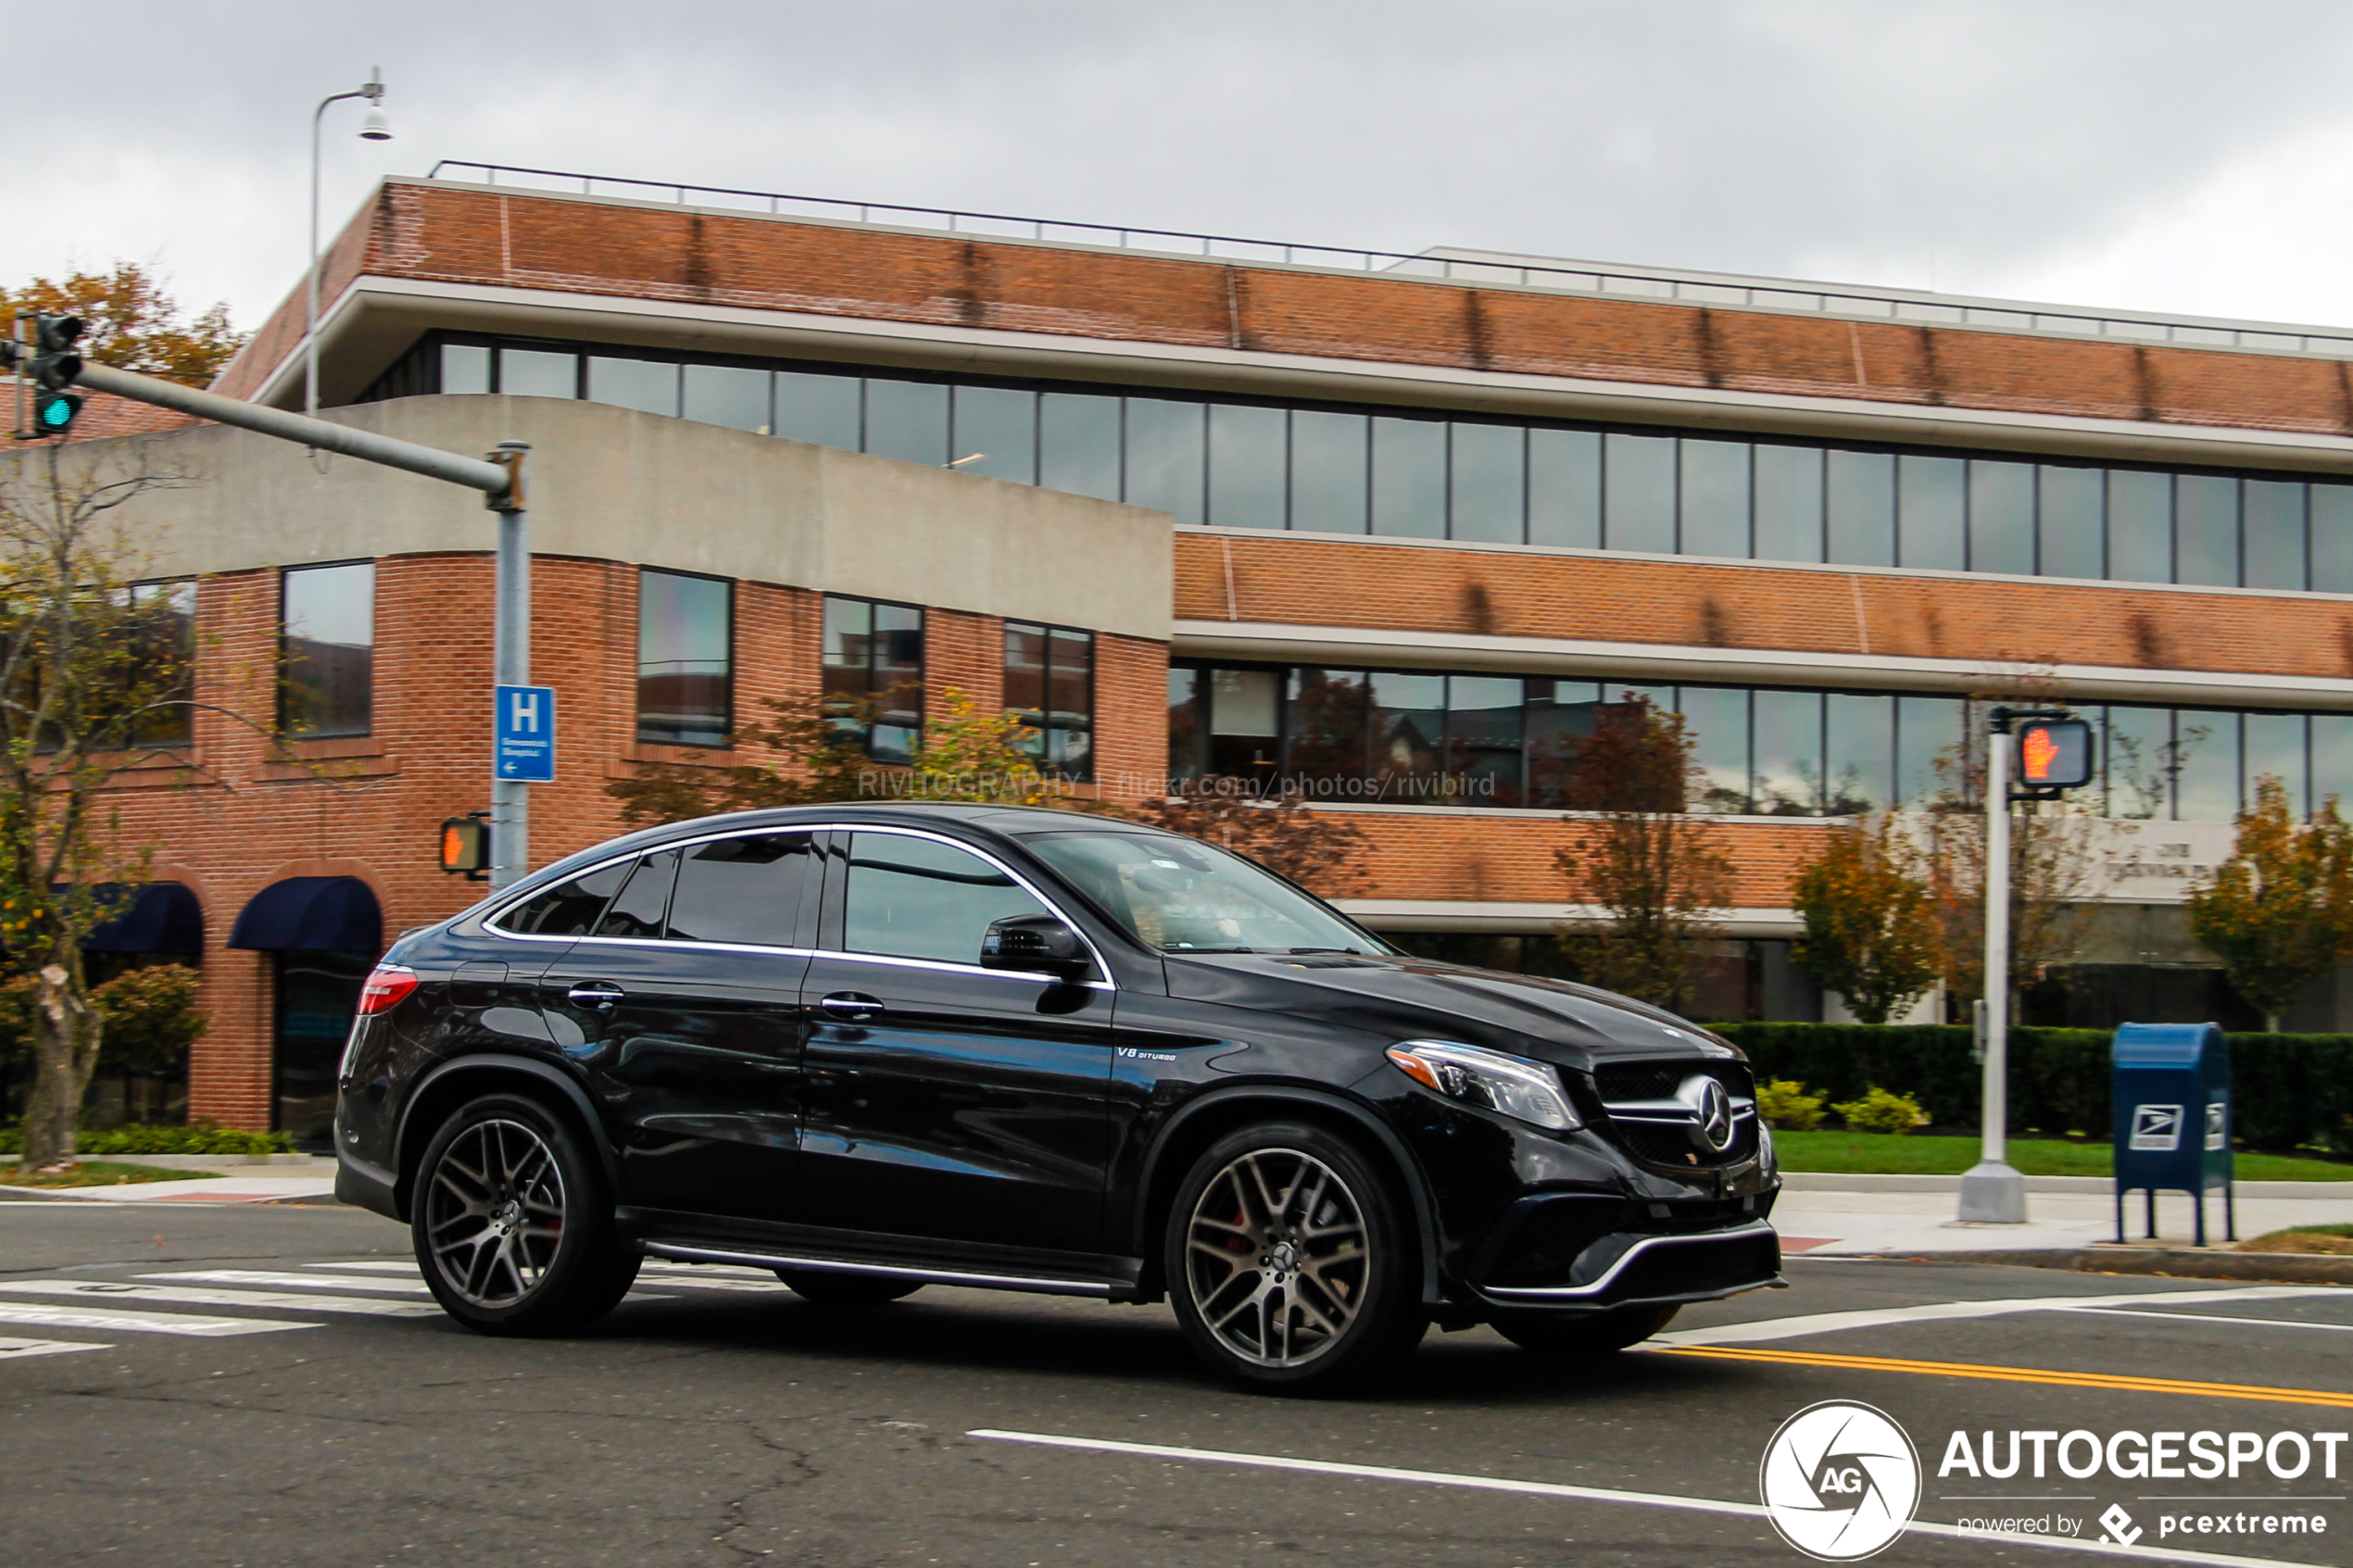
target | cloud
[{"x": 1980, "y": 146}]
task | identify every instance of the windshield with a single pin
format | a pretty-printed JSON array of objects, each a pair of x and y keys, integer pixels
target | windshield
[{"x": 1181, "y": 896}]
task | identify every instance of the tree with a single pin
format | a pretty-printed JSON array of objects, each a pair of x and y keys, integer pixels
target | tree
[
  {"x": 2279, "y": 913},
  {"x": 1660, "y": 872},
  {"x": 1871, "y": 933},
  {"x": 90, "y": 662},
  {"x": 1322, "y": 853},
  {"x": 133, "y": 325}
]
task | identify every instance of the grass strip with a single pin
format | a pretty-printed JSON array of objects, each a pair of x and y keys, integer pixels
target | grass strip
[
  {"x": 99, "y": 1173},
  {"x": 1911, "y": 1154}
]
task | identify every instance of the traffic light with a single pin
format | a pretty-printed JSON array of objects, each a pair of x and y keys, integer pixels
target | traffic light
[
  {"x": 2054, "y": 754},
  {"x": 54, "y": 368},
  {"x": 465, "y": 846}
]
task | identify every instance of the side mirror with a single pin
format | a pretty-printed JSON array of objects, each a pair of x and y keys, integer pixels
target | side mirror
[{"x": 1034, "y": 945}]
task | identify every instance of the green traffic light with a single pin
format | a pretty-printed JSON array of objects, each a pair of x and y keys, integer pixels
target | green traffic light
[{"x": 57, "y": 412}]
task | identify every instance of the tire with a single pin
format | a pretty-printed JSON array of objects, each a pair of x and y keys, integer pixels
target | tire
[
  {"x": 1570, "y": 1336},
  {"x": 512, "y": 1222},
  {"x": 1292, "y": 1263},
  {"x": 827, "y": 1289}
]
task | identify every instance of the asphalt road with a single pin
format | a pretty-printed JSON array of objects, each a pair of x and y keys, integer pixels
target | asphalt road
[{"x": 300, "y": 1407}]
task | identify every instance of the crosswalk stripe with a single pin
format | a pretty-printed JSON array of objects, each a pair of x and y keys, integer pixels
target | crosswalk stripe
[
  {"x": 48, "y": 1316},
  {"x": 290, "y": 1280},
  {"x": 699, "y": 1276},
  {"x": 199, "y": 1296},
  {"x": 9, "y": 1347},
  {"x": 373, "y": 1265}
]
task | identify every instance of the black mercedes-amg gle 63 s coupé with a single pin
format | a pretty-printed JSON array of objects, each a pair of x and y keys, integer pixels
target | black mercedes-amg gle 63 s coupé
[{"x": 875, "y": 1047}]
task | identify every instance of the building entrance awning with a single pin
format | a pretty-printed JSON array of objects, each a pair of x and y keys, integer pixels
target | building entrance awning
[
  {"x": 311, "y": 914},
  {"x": 158, "y": 917}
]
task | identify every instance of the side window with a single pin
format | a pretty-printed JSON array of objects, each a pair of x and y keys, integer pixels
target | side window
[
  {"x": 643, "y": 903},
  {"x": 742, "y": 890},
  {"x": 915, "y": 898},
  {"x": 568, "y": 909}
]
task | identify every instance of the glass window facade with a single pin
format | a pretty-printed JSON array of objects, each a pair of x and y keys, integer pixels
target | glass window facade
[
  {"x": 1406, "y": 737},
  {"x": 327, "y": 650},
  {"x": 164, "y": 622},
  {"x": 874, "y": 675},
  {"x": 686, "y": 659},
  {"x": 1260, "y": 464},
  {"x": 1049, "y": 681}
]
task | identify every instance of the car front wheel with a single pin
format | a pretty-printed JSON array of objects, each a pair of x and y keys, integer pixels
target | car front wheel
[
  {"x": 512, "y": 1222},
  {"x": 1292, "y": 1266}
]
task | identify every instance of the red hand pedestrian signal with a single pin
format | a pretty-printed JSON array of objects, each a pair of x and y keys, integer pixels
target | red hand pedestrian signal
[{"x": 2055, "y": 754}]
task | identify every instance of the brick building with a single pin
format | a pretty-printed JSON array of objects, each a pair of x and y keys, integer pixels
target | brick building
[{"x": 1382, "y": 529}]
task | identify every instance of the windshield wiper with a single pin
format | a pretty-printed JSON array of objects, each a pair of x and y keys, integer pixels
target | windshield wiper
[{"x": 1357, "y": 951}]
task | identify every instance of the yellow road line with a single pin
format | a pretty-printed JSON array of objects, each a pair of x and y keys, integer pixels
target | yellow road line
[{"x": 2019, "y": 1374}]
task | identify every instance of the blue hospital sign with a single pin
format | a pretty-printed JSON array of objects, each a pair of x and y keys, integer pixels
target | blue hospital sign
[{"x": 527, "y": 734}]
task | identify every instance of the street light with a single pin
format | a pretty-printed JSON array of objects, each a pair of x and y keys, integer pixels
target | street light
[{"x": 375, "y": 127}]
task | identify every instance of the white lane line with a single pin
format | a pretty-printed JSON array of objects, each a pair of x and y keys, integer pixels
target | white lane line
[
  {"x": 2208, "y": 1317},
  {"x": 198, "y": 1296},
  {"x": 291, "y": 1281},
  {"x": 9, "y": 1347},
  {"x": 1595, "y": 1494},
  {"x": 1762, "y": 1329},
  {"x": 694, "y": 1276},
  {"x": 373, "y": 1265},
  {"x": 47, "y": 1316}
]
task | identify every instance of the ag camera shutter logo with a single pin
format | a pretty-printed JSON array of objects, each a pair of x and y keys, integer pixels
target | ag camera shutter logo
[{"x": 1840, "y": 1481}]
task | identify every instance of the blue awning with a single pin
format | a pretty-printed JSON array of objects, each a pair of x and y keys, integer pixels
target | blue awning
[
  {"x": 311, "y": 914},
  {"x": 160, "y": 917}
]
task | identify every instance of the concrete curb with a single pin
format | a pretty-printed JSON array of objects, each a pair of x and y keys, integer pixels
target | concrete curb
[
  {"x": 292, "y": 1164},
  {"x": 1833, "y": 1181},
  {"x": 2176, "y": 1262}
]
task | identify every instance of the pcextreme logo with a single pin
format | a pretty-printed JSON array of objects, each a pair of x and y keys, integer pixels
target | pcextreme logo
[{"x": 1840, "y": 1481}]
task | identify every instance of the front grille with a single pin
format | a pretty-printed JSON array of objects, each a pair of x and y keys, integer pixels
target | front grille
[
  {"x": 1659, "y": 1080},
  {"x": 1628, "y": 1087}
]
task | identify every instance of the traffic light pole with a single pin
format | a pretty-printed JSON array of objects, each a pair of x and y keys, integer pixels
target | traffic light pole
[
  {"x": 499, "y": 478},
  {"x": 1993, "y": 1193}
]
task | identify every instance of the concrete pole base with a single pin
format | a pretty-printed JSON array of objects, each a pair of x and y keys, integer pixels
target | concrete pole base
[{"x": 1992, "y": 1194}]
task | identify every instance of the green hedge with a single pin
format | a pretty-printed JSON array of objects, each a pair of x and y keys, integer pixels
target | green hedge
[
  {"x": 2293, "y": 1091},
  {"x": 200, "y": 1138}
]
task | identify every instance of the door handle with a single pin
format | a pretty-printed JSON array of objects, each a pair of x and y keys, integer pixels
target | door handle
[
  {"x": 855, "y": 1006},
  {"x": 597, "y": 994}
]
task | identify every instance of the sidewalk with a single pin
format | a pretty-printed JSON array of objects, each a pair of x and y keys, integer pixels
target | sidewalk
[
  {"x": 1825, "y": 1213},
  {"x": 278, "y": 1178}
]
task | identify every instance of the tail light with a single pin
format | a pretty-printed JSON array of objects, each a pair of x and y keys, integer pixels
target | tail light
[{"x": 385, "y": 987}]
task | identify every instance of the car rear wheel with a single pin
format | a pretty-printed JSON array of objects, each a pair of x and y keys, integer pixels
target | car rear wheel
[
  {"x": 830, "y": 1289},
  {"x": 1572, "y": 1334},
  {"x": 513, "y": 1225},
  {"x": 1291, "y": 1265}
]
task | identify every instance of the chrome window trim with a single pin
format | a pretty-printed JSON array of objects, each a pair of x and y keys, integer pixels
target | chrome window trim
[
  {"x": 1749, "y": 1232},
  {"x": 490, "y": 921}
]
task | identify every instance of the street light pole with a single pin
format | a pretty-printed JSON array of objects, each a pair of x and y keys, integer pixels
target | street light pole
[
  {"x": 375, "y": 128},
  {"x": 510, "y": 641},
  {"x": 1993, "y": 1193}
]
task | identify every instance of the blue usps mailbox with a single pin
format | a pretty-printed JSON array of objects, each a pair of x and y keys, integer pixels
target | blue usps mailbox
[
  {"x": 527, "y": 734},
  {"x": 2172, "y": 1085}
]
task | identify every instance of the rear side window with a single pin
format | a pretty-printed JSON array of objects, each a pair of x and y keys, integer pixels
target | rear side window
[
  {"x": 639, "y": 909},
  {"x": 568, "y": 909},
  {"x": 742, "y": 890},
  {"x": 917, "y": 899}
]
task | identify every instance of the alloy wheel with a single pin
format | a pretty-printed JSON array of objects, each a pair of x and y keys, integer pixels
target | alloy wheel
[
  {"x": 1277, "y": 1258},
  {"x": 495, "y": 1218}
]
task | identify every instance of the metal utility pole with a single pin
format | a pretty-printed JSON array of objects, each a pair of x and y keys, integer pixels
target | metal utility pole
[
  {"x": 500, "y": 477},
  {"x": 1993, "y": 1193}
]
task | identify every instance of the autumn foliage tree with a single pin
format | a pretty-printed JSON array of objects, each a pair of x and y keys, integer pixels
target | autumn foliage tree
[
  {"x": 2279, "y": 913},
  {"x": 1662, "y": 873},
  {"x": 133, "y": 324},
  {"x": 1871, "y": 932},
  {"x": 1322, "y": 852}
]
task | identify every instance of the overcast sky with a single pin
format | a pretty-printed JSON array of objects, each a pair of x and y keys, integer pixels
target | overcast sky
[{"x": 2115, "y": 152}]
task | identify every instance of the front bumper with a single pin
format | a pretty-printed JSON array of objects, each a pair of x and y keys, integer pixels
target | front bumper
[{"x": 1622, "y": 1270}]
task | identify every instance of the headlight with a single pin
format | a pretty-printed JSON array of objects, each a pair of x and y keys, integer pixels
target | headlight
[
  {"x": 1764, "y": 1155},
  {"x": 1513, "y": 1085}
]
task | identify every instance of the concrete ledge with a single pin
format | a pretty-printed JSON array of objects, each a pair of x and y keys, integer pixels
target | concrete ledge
[
  {"x": 1833, "y": 1181},
  {"x": 2177, "y": 1262},
  {"x": 292, "y": 1164}
]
